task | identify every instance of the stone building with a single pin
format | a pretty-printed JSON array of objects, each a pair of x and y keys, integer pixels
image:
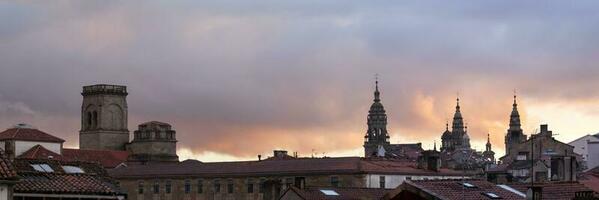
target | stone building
[
  {"x": 268, "y": 178},
  {"x": 104, "y": 118},
  {"x": 458, "y": 137},
  {"x": 376, "y": 139},
  {"x": 541, "y": 157},
  {"x": 488, "y": 154},
  {"x": 153, "y": 141}
]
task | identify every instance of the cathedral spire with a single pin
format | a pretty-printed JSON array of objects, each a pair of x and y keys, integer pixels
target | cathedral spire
[
  {"x": 377, "y": 94},
  {"x": 458, "y": 121},
  {"x": 377, "y": 134},
  {"x": 515, "y": 124}
]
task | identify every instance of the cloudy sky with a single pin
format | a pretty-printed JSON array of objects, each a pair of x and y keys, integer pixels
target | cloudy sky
[{"x": 240, "y": 78}]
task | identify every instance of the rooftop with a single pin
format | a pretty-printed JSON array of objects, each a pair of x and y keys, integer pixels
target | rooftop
[
  {"x": 459, "y": 189},
  {"x": 104, "y": 89},
  {"x": 28, "y": 133},
  {"x": 348, "y": 193}
]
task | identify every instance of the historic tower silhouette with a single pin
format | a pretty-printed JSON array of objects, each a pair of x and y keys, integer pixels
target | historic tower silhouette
[{"x": 104, "y": 118}]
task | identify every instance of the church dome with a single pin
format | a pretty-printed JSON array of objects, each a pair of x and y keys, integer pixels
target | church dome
[{"x": 446, "y": 135}]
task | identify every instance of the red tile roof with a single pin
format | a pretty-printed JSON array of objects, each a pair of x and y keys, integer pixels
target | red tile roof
[
  {"x": 453, "y": 189},
  {"x": 554, "y": 190},
  {"x": 28, "y": 134},
  {"x": 93, "y": 180},
  {"x": 7, "y": 170},
  {"x": 39, "y": 152},
  {"x": 348, "y": 193},
  {"x": 107, "y": 158},
  {"x": 299, "y": 166}
]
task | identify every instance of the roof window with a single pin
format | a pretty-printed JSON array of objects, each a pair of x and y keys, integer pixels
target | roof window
[
  {"x": 72, "y": 169},
  {"x": 468, "y": 185},
  {"x": 491, "y": 195},
  {"x": 42, "y": 168},
  {"x": 329, "y": 192}
]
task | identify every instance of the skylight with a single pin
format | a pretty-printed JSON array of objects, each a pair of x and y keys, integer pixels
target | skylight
[
  {"x": 72, "y": 169},
  {"x": 42, "y": 167},
  {"x": 329, "y": 192},
  {"x": 491, "y": 195},
  {"x": 468, "y": 185}
]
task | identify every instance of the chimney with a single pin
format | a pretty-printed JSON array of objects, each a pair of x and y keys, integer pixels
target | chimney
[
  {"x": 259, "y": 157},
  {"x": 429, "y": 160},
  {"x": 544, "y": 128}
]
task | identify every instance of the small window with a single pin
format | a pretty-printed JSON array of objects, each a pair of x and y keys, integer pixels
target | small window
[
  {"x": 200, "y": 186},
  {"x": 382, "y": 182},
  {"x": 262, "y": 185},
  {"x": 334, "y": 181},
  {"x": 140, "y": 187},
  {"x": 156, "y": 187},
  {"x": 72, "y": 169},
  {"x": 230, "y": 186},
  {"x": 250, "y": 186},
  {"x": 288, "y": 182},
  {"x": 168, "y": 187},
  {"x": 42, "y": 168},
  {"x": 216, "y": 186},
  {"x": 187, "y": 186},
  {"x": 329, "y": 192}
]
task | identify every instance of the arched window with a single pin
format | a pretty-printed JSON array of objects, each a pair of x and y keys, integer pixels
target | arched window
[
  {"x": 89, "y": 120},
  {"x": 95, "y": 121}
]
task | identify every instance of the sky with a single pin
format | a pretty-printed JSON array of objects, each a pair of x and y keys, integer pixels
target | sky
[{"x": 241, "y": 78}]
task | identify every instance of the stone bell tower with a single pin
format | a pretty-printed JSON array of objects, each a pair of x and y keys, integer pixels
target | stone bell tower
[{"x": 104, "y": 118}]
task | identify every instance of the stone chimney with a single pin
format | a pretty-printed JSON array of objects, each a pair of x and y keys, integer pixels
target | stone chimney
[
  {"x": 429, "y": 160},
  {"x": 545, "y": 130}
]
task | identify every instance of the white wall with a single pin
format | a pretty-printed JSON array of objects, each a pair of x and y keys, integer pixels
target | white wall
[
  {"x": 593, "y": 155},
  {"x": 392, "y": 181},
  {"x": 22, "y": 146},
  {"x": 581, "y": 147},
  {"x": 4, "y": 191}
]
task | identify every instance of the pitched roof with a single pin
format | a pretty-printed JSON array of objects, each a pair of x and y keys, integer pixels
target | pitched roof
[
  {"x": 39, "y": 152},
  {"x": 93, "y": 180},
  {"x": 554, "y": 190},
  {"x": 107, "y": 158},
  {"x": 348, "y": 193},
  {"x": 299, "y": 166},
  {"x": 454, "y": 189},
  {"x": 28, "y": 134},
  {"x": 7, "y": 170}
]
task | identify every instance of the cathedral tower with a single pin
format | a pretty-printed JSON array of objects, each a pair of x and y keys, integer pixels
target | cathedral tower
[
  {"x": 376, "y": 135},
  {"x": 514, "y": 134},
  {"x": 458, "y": 137},
  {"x": 104, "y": 118}
]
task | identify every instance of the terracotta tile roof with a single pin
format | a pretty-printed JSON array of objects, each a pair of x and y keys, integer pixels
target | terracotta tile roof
[
  {"x": 107, "y": 158},
  {"x": 7, "y": 170},
  {"x": 315, "y": 193},
  {"x": 340, "y": 165},
  {"x": 454, "y": 189},
  {"x": 28, "y": 134},
  {"x": 555, "y": 190},
  {"x": 93, "y": 180},
  {"x": 39, "y": 152},
  {"x": 590, "y": 180}
]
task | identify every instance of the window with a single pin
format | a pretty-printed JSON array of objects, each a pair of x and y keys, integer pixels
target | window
[
  {"x": 42, "y": 167},
  {"x": 300, "y": 182},
  {"x": 200, "y": 186},
  {"x": 156, "y": 187},
  {"x": 288, "y": 182},
  {"x": 329, "y": 192},
  {"x": 72, "y": 169},
  {"x": 409, "y": 178},
  {"x": 522, "y": 156},
  {"x": 95, "y": 122},
  {"x": 334, "y": 181},
  {"x": 89, "y": 120},
  {"x": 187, "y": 186},
  {"x": 382, "y": 182},
  {"x": 491, "y": 195},
  {"x": 216, "y": 186},
  {"x": 262, "y": 185},
  {"x": 250, "y": 186},
  {"x": 168, "y": 187},
  {"x": 140, "y": 187},
  {"x": 230, "y": 186},
  {"x": 468, "y": 185}
]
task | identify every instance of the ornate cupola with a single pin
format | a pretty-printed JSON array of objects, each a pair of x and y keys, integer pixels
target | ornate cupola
[
  {"x": 489, "y": 155},
  {"x": 377, "y": 134},
  {"x": 458, "y": 122}
]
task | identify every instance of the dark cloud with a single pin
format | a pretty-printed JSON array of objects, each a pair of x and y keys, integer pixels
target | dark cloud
[{"x": 242, "y": 78}]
